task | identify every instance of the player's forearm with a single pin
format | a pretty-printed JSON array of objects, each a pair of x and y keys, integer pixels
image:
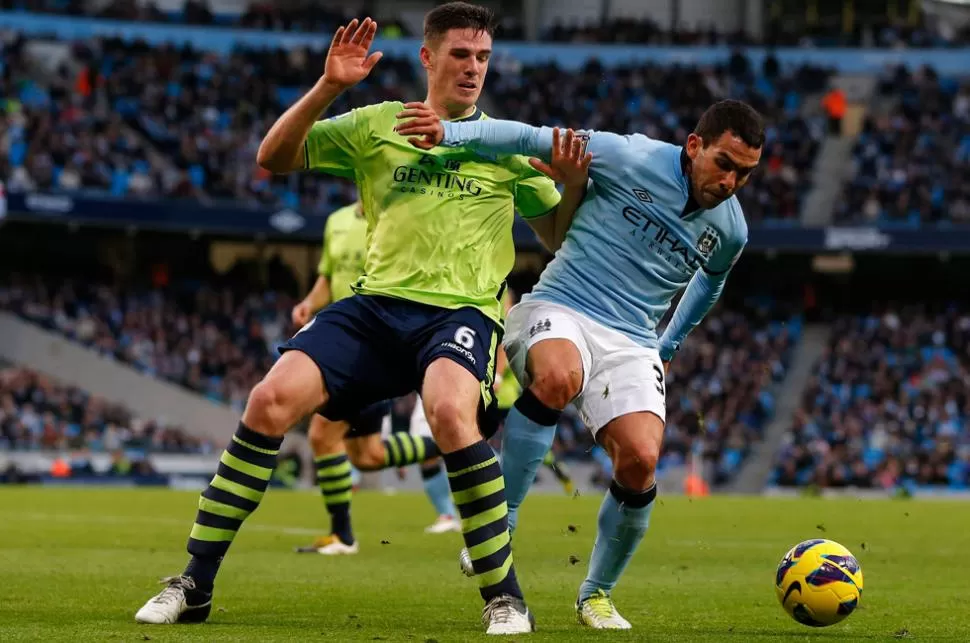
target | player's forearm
[
  {"x": 499, "y": 137},
  {"x": 572, "y": 196},
  {"x": 319, "y": 295},
  {"x": 702, "y": 293},
  {"x": 281, "y": 150}
]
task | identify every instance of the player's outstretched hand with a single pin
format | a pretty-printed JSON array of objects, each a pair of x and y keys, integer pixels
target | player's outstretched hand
[
  {"x": 568, "y": 165},
  {"x": 301, "y": 314},
  {"x": 347, "y": 61},
  {"x": 424, "y": 129}
]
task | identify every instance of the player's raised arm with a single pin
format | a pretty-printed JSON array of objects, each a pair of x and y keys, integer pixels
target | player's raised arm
[
  {"x": 348, "y": 62},
  {"x": 701, "y": 294}
]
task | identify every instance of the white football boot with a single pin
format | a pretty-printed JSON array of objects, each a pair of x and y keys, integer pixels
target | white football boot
[{"x": 179, "y": 602}]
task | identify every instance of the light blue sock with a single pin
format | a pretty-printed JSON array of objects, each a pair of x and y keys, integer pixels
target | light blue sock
[
  {"x": 525, "y": 443},
  {"x": 438, "y": 490},
  {"x": 623, "y": 520}
]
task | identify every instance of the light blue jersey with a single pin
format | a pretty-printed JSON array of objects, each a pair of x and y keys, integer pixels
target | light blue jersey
[{"x": 633, "y": 244}]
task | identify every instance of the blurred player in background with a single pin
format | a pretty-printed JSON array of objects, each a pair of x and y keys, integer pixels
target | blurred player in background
[
  {"x": 341, "y": 264},
  {"x": 426, "y": 314},
  {"x": 658, "y": 218}
]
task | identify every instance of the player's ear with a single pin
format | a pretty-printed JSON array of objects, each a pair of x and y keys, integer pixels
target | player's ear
[
  {"x": 694, "y": 144},
  {"x": 425, "y": 55}
]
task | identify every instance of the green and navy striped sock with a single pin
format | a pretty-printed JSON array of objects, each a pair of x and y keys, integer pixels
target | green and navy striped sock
[
  {"x": 478, "y": 489},
  {"x": 236, "y": 490}
]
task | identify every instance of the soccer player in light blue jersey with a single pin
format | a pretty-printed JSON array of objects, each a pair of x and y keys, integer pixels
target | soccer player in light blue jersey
[{"x": 656, "y": 218}]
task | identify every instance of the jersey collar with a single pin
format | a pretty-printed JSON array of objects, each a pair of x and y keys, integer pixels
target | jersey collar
[
  {"x": 477, "y": 115},
  {"x": 692, "y": 205}
]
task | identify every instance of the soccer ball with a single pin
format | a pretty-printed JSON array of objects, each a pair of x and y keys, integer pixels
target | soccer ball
[{"x": 819, "y": 582}]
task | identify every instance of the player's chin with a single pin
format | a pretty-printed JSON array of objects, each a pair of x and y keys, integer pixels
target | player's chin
[{"x": 466, "y": 96}]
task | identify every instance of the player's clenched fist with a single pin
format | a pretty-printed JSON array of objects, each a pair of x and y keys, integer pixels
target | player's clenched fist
[
  {"x": 421, "y": 125},
  {"x": 568, "y": 164},
  {"x": 347, "y": 61}
]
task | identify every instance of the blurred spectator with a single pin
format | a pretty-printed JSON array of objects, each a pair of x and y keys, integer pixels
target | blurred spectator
[
  {"x": 834, "y": 104},
  {"x": 888, "y": 406}
]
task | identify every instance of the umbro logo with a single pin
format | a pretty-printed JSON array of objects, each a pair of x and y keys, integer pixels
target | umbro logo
[
  {"x": 642, "y": 195},
  {"x": 540, "y": 327}
]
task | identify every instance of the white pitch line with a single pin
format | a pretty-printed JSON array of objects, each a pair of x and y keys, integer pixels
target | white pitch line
[{"x": 11, "y": 518}]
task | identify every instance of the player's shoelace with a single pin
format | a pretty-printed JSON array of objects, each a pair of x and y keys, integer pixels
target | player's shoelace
[
  {"x": 175, "y": 590},
  {"x": 601, "y": 605},
  {"x": 500, "y": 610}
]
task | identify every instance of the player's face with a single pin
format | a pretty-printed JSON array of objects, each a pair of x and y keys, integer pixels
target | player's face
[
  {"x": 721, "y": 168},
  {"x": 456, "y": 67}
]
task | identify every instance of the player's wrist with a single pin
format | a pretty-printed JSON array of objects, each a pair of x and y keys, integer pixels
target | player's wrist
[{"x": 327, "y": 87}]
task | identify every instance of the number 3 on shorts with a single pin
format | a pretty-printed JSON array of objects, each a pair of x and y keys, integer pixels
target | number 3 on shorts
[{"x": 465, "y": 337}]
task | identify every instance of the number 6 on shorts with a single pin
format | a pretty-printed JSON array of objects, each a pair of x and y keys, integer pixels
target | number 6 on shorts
[{"x": 465, "y": 337}]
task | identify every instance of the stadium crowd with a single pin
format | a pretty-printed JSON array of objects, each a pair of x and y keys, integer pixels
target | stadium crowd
[
  {"x": 888, "y": 405},
  {"x": 665, "y": 103},
  {"x": 219, "y": 344},
  {"x": 216, "y": 343},
  {"x": 912, "y": 164},
  {"x": 148, "y": 122},
  {"x": 318, "y": 16},
  {"x": 37, "y": 413}
]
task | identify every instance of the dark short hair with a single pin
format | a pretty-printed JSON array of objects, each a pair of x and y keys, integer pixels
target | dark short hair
[
  {"x": 733, "y": 116},
  {"x": 458, "y": 15}
]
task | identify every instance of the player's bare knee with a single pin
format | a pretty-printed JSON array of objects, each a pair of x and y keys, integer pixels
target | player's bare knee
[
  {"x": 636, "y": 466},
  {"x": 448, "y": 420},
  {"x": 556, "y": 386},
  {"x": 267, "y": 410}
]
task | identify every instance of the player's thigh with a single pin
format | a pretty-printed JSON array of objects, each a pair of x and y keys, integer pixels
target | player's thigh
[
  {"x": 326, "y": 436},
  {"x": 633, "y": 442},
  {"x": 547, "y": 351},
  {"x": 292, "y": 389},
  {"x": 623, "y": 382},
  {"x": 354, "y": 350}
]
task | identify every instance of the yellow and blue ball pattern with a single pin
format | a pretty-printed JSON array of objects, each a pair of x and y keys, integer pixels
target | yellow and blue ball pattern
[{"x": 819, "y": 582}]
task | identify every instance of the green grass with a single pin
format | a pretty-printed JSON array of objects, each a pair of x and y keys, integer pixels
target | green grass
[{"x": 78, "y": 563}]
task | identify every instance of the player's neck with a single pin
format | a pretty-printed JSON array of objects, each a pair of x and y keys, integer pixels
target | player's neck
[{"x": 450, "y": 114}]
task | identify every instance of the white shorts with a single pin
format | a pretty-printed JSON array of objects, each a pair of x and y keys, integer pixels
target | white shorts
[{"x": 619, "y": 376}]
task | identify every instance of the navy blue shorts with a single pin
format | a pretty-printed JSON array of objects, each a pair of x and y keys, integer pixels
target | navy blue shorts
[{"x": 371, "y": 349}]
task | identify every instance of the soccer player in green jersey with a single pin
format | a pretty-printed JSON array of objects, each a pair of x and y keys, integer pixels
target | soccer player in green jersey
[
  {"x": 426, "y": 313},
  {"x": 357, "y": 441}
]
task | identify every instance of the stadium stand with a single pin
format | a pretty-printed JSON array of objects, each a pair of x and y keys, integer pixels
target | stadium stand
[
  {"x": 912, "y": 164},
  {"x": 219, "y": 344},
  {"x": 216, "y": 343},
  {"x": 665, "y": 103},
  {"x": 39, "y": 413},
  {"x": 888, "y": 405}
]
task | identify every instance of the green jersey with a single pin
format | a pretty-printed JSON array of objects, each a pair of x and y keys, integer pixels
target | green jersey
[
  {"x": 344, "y": 246},
  {"x": 439, "y": 222}
]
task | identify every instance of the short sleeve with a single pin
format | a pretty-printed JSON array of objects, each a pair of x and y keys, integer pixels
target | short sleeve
[
  {"x": 325, "y": 267},
  {"x": 535, "y": 196},
  {"x": 334, "y": 145}
]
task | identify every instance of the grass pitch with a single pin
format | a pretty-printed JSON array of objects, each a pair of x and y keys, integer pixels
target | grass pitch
[{"x": 78, "y": 563}]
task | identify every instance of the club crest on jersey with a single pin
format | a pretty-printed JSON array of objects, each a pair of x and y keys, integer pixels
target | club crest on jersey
[
  {"x": 542, "y": 326},
  {"x": 708, "y": 241}
]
